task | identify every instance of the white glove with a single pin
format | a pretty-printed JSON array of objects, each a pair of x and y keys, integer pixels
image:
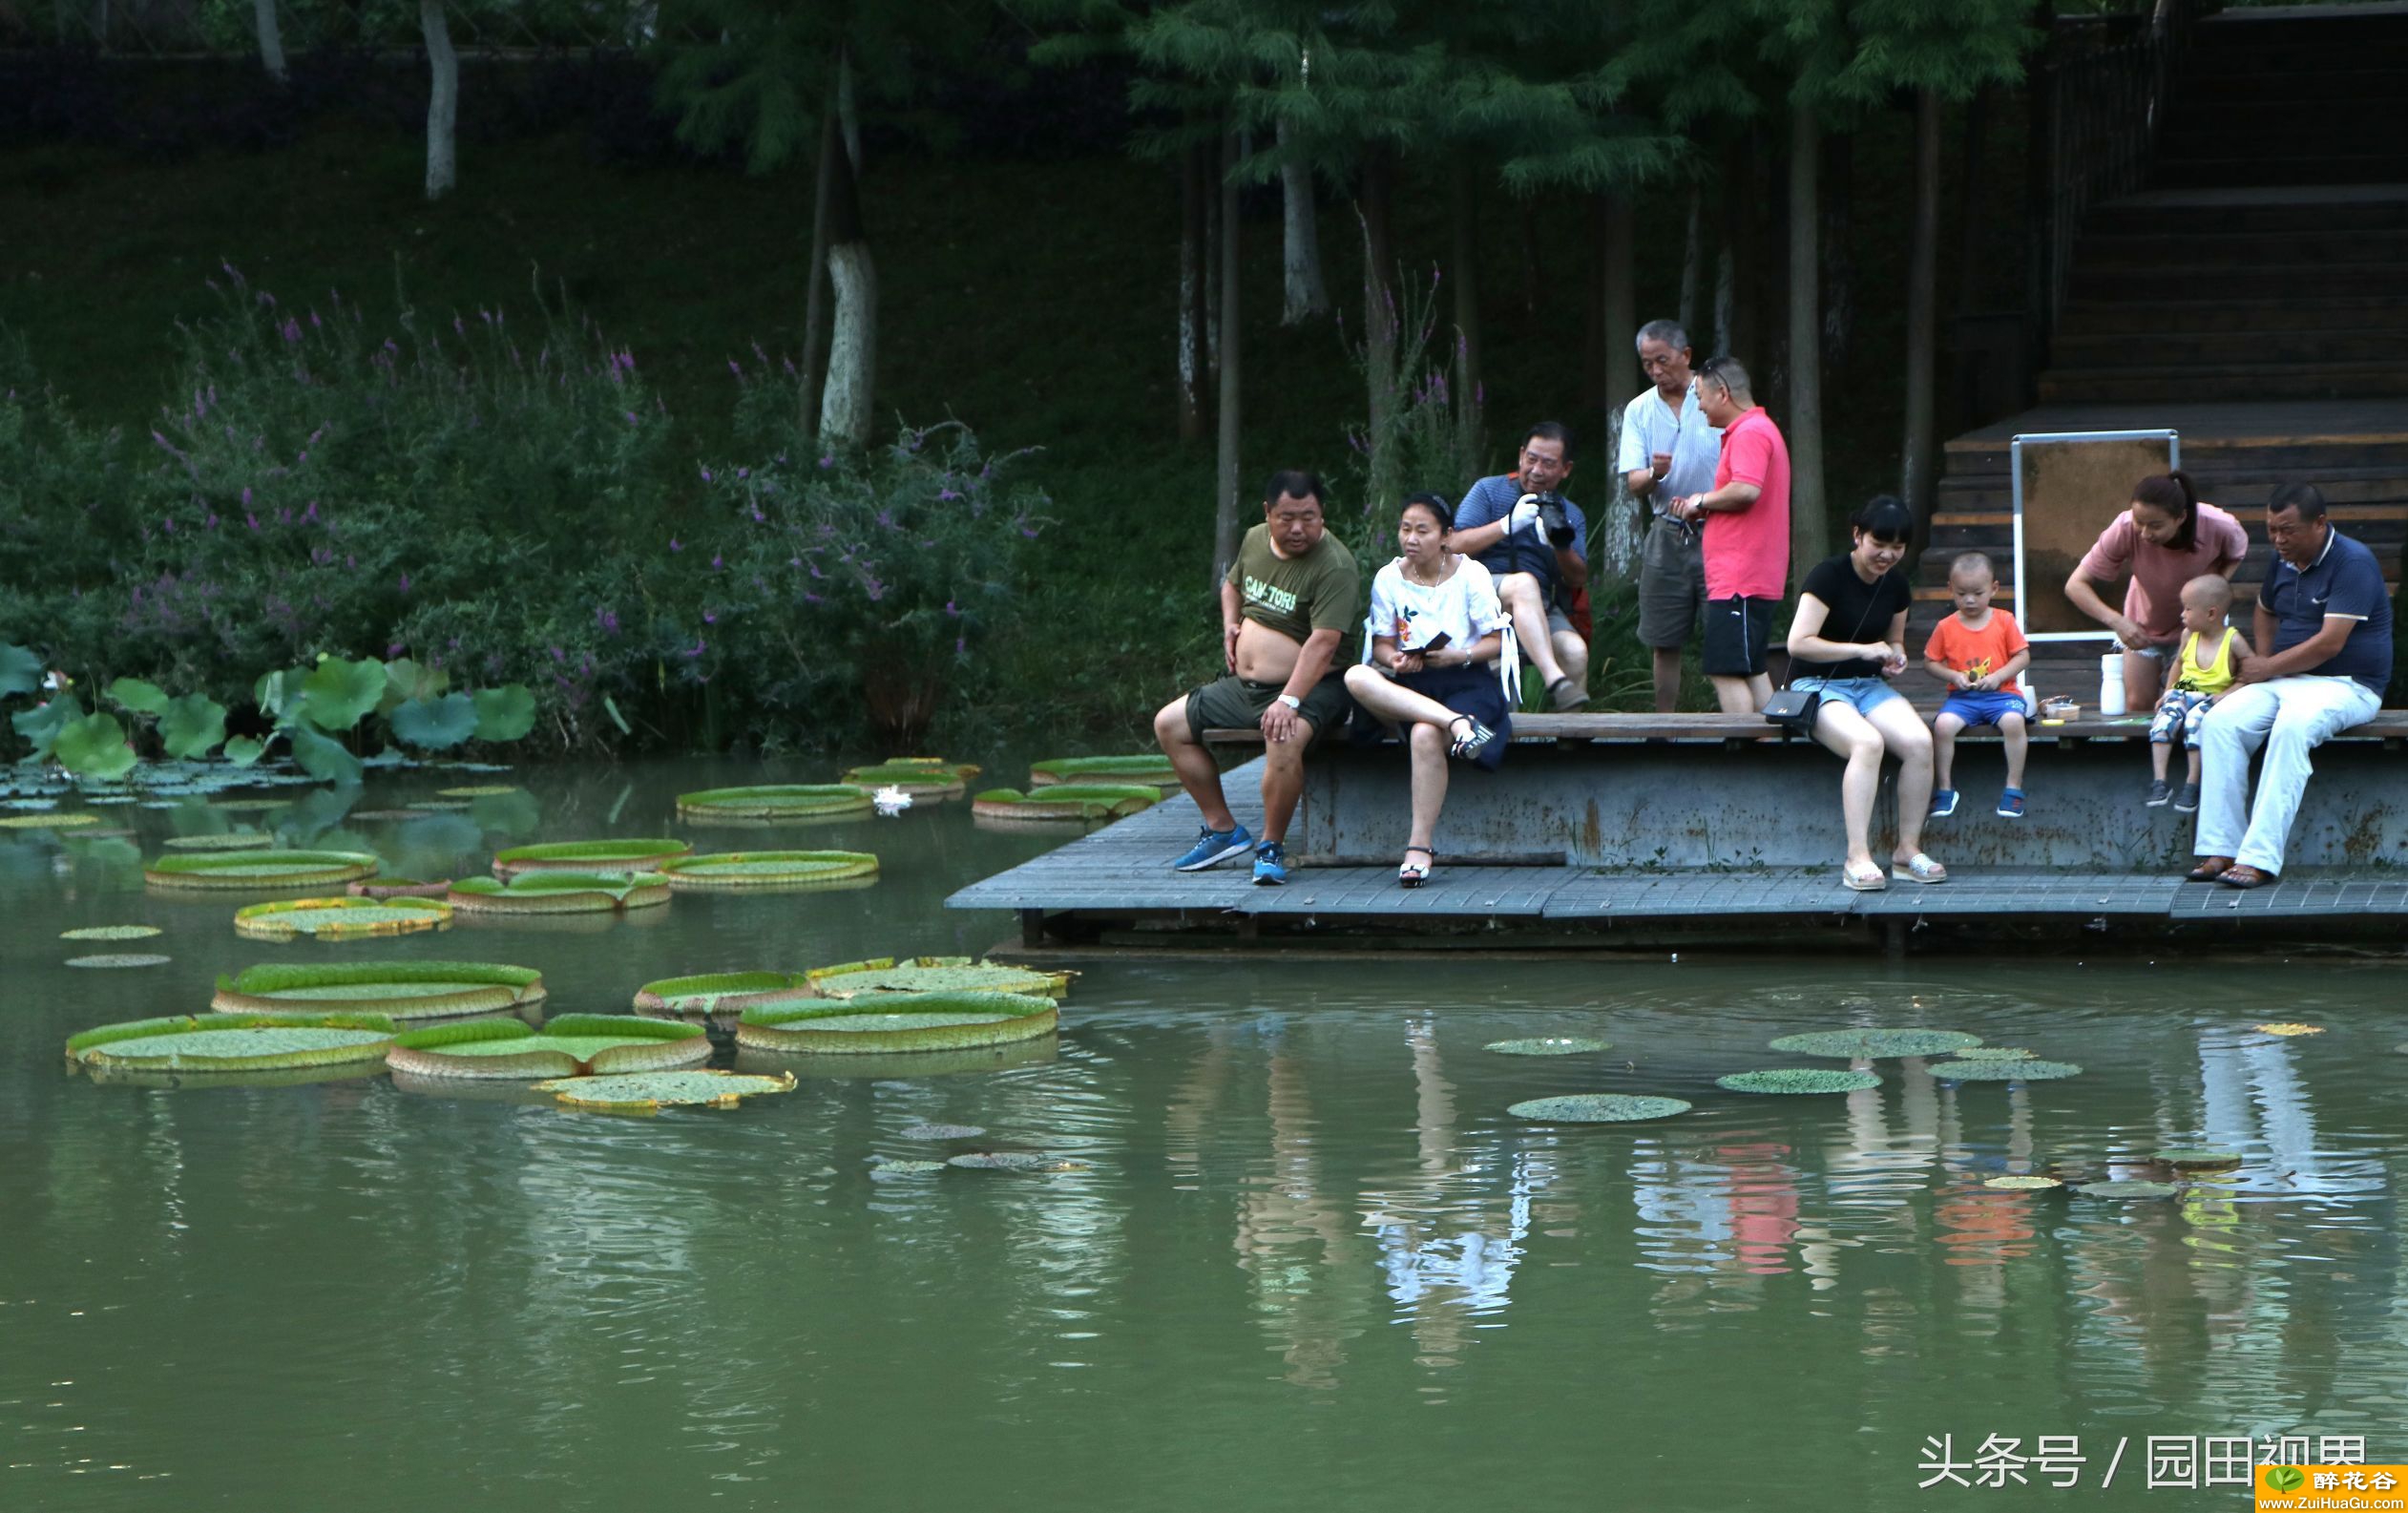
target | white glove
[{"x": 1525, "y": 516}]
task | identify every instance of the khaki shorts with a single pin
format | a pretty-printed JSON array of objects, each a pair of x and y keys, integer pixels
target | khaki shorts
[
  {"x": 1671, "y": 583},
  {"x": 1234, "y": 704}
]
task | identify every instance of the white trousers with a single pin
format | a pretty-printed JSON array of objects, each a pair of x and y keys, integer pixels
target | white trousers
[{"x": 2289, "y": 717}]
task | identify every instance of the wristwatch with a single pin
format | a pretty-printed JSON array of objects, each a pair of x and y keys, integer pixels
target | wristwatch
[{"x": 1292, "y": 700}]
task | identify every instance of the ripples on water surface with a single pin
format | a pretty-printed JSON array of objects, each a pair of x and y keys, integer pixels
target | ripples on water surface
[{"x": 1309, "y": 1263}]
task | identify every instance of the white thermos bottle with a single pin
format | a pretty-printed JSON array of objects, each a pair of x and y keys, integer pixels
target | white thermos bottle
[{"x": 2111, "y": 686}]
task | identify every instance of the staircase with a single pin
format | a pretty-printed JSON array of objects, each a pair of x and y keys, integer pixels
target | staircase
[{"x": 2252, "y": 296}]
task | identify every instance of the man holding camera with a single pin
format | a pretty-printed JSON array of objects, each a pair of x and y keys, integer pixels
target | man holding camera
[
  {"x": 1533, "y": 541},
  {"x": 1668, "y": 452},
  {"x": 1746, "y": 522}
]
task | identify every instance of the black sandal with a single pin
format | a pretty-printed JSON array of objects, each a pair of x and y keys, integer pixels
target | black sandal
[
  {"x": 1408, "y": 875},
  {"x": 1469, "y": 745}
]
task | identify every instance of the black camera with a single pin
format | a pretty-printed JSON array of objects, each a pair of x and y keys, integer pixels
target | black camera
[{"x": 1553, "y": 519}]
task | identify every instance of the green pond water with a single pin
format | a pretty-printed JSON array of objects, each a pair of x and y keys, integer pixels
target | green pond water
[{"x": 1303, "y": 1258}]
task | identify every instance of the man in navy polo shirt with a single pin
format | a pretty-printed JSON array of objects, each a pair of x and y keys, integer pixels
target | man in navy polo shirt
[{"x": 2324, "y": 656}]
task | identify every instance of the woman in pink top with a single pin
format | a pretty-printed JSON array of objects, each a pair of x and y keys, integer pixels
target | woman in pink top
[{"x": 2168, "y": 537}]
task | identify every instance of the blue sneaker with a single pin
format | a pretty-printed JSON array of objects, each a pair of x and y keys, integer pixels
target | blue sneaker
[
  {"x": 1214, "y": 846},
  {"x": 1943, "y": 804},
  {"x": 2011, "y": 805},
  {"x": 1271, "y": 865}
]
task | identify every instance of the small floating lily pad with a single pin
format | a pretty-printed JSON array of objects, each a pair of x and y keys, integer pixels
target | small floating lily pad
[
  {"x": 556, "y": 892},
  {"x": 185, "y": 1043},
  {"x": 1799, "y": 1080},
  {"x": 2033, "y": 1070},
  {"x": 2286, "y": 1027},
  {"x": 111, "y": 933},
  {"x": 2022, "y": 1184},
  {"x": 569, "y": 1046},
  {"x": 2122, "y": 1188},
  {"x": 2193, "y": 1158},
  {"x": 728, "y": 871},
  {"x": 1066, "y": 801},
  {"x": 897, "y": 1022},
  {"x": 479, "y": 791},
  {"x": 934, "y": 975},
  {"x": 340, "y": 918},
  {"x": 589, "y": 856},
  {"x": 650, "y": 1092},
  {"x": 1876, "y": 1045},
  {"x": 47, "y": 822},
  {"x": 940, "y": 1132},
  {"x": 122, "y": 959},
  {"x": 259, "y": 869},
  {"x": 1151, "y": 769},
  {"x": 398, "y": 990},
  {"x": 886, "y": 1170},
  {"x": 1547, "y": 1045},
  {"x": 231, "y": 841},
  {"x": 1598, "y": 1108},
  {"x": 919, "y": 777},
  {"x": 1014, "y": 1161},
  {"x": 773, "y": 802},
  {"x": 1994, "y": 1053},
  {"x": 437, "y": 806}
]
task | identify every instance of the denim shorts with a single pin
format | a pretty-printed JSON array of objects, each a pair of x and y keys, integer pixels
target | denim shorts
[
  {"x": 1977, "y": 710},
  {"x": 1864, "y": 695}
]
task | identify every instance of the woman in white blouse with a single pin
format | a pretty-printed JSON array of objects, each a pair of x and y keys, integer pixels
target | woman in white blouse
[{"x": 1437, "y": 632}]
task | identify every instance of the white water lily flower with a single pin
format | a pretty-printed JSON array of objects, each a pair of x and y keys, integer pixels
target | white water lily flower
[
  {"x": 890, "y": 800},
  {"x": 55, "y": 681}
]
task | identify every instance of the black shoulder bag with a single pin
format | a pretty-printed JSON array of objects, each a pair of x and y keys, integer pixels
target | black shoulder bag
[{"x": 1793, "y": 710}]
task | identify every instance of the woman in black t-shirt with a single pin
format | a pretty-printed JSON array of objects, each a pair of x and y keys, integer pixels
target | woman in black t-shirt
[{"x": 1848, "y": 638}]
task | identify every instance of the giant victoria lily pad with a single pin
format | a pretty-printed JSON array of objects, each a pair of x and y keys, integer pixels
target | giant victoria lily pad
[
  {"x": 261, "y": 1042},
  {"x": 2021, "y": 1070},
  {"x": 398, "y": 990},
  {"x": 897, "y": 1022},
  {"x": 721, "y": 998},
  {"x": 1799, "y": 1080},
  {"x": 651, "y": 1092},
  {"x": 734, "y": 871},
  {"x": 260, "y": 870},
  {"x": 1874, "y": 1043},
  {"x": 552, "y": 893},
  {"x": 1066, "y": 801},
  {"x": 1149, "y": 770},
  {"x": 921, "y": 777},
  {"x": 1598, "y": 1108},
  {"x": 342, "y": 919},
  {"x": 589, "y": 856},
  {"x": 934, "y": 975},
  {"x": 774, "y": 802},
  {"x": 569, "y": 1046}
]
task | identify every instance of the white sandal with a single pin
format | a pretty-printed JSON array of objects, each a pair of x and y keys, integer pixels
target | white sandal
[
  {"x": 1918, "y": 869},
  {"x": 1868, "y": 881}
]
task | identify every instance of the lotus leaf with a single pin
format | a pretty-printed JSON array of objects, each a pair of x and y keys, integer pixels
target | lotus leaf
[
  {"x": 134, "y": 695},
  {"x": 2014, "y": 1071},
  {"x": 231, "y": 841},
  {"x": 1151, "y": 769},
  {"x": 188, "y": 1044},
  {"x": 405, "y": 682},
  {"x": 94, "y": 746},
  {"x": 589, "y": 856},
  {"x": 790, "y": 801},
  {"x": 243, "y": 750},
  {"x": 340, "y": 918},
  {"x": 934, "y": 975},
  {"x": 2286, "y": 1027},
  {"x": 1014, "y": 1161},
  {"x": 2126, "y": 1189},
  {"x": 728, "y": 871},
  {"x": 20, "y": 670},
  {"x": 1994, "y": 1053},
  {"x": 650, "y": 1092},
  {"x": 897, "y": 1022},
  {"x": 111, "y": 933},
  {"x": 1874, "y": 1044},
  {"x": 256, "y": 870},
  {"x": 434, "y": 724},
  {"x": 940, "y": 1132},
  {"x": 1807, "y": 1080},
  {"x": 569, "y": 1045},
  {"x": 320, "y": 755},
  {"x": 398, "y": 990},
  {"x": 337, "y": 693},
  {"x": 1065, "y": 801},
  {"x": 506, "y": 713},
  {"x": 47, "y": 822},
  {"x": 128, "y": 958},
  {"x": 559, "y": 892},
  {"x": 1598, "y": 1108},
  {"x": 921, "y": 777},
  {"x": 1549, "y": 1045},
  {"x": 192, "y": 725},
  {"x": 2022, "y": 1184},
  {"x": 2194, "y": 1159},
  {"x": 888, "y": 1171},
  {"x": 722, "y": 994}
]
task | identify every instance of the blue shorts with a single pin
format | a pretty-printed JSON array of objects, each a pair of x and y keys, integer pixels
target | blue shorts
[
  {"x": 1980, "y": 708},
  {"x": 1864, "y": 695}
]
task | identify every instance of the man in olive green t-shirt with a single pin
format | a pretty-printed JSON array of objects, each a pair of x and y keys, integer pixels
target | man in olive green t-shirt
[{"x": 1287, "y": 605}]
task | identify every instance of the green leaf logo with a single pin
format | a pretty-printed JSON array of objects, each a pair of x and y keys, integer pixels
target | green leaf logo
[{"x": 2285, "y": 1479}]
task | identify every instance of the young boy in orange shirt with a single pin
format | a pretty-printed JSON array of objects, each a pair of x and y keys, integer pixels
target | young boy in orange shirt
[{"x": 1977, "y": 652}]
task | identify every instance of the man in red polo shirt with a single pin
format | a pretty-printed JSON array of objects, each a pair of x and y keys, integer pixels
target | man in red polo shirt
[{"x": 1746, "y": 541}]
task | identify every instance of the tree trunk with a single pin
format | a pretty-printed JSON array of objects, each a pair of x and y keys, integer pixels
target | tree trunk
[
  {"x": 1462, "y": 215},
  {"x": 1531, "y": 277},
  {"x": 1374, "y": 202},
  {"x": 1923, "y": 297},
  {"x": 1693, "y": 261},
  {"x": 1837, "y": 187},
  {"x": 847, "y": 118},
  {"x": 1194, "y": 261},
  {"x": 1809, "y": 513},
  {"x": 1973, "y": 181},
  {"x": 1300, "y": 244},
  {"x": 853, "y": 348},
  {"x": 1593, "y": 337},
  {"x": 1224, "y": 505},
  {"x": 1213, "y": 201},
  {"x": 271, "y": 38},
  {"x": 1735, "y": 283},
  {"x": 1619, "y": 296},
  {"x": 443, "y": 100},
  {"x": 815, "y": 301}
]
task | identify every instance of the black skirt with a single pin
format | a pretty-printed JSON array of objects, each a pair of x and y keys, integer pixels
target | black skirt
[{"x": 1472, "y": 689}]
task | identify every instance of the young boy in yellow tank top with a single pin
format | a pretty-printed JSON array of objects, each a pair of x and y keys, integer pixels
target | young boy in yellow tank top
[{"x": 2211, "y": 653}]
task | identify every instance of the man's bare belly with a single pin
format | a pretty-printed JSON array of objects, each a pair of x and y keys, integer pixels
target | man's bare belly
[{"x": 1265, "y": 654}]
